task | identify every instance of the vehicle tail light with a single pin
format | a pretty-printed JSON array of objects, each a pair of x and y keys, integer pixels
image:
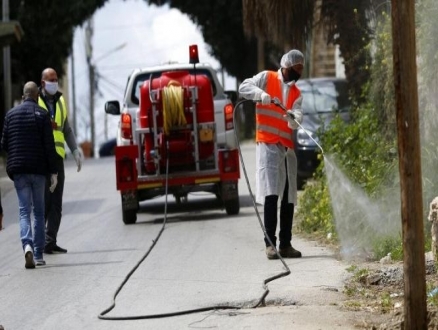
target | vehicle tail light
[
  {"x": 228, "y": 112},
  {"x": 126, "y": 126},
  {"x": 229, "y": 161},
  {"x": 126, "y": 170},
  {"x": 126, "y": 167}
]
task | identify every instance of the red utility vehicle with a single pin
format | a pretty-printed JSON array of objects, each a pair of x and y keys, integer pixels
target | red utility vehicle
[{"x": 173, "y": 146}]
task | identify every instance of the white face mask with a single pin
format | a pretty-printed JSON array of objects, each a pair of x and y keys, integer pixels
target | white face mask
[{"x": 51, "y": 87}]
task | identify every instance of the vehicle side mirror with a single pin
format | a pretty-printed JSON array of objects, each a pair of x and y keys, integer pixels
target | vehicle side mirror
[
  {"x": 232, "y": 95},
  {"x": 112, "y": 107}
]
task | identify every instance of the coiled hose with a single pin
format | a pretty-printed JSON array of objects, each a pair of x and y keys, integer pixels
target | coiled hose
[{"x": 173, "y": 106}]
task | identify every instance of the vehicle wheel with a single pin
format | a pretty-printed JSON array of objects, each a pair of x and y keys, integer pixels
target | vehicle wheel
[
  {"x": 232, "y": 206},
  {"x": 129, "y": 216}
]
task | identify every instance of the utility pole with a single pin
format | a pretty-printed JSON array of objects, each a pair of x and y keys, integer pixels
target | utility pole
[
  {"x": 91, "y": 77},
  {"x": 73, "y": 90},
  {"x": 7, "y": 62},
  {"x": 96, "y": 75},
  {"x": 406, "y": 100}
]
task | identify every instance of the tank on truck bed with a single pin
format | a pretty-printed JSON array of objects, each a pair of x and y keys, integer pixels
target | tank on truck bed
[{"x": 175, "y": 135}]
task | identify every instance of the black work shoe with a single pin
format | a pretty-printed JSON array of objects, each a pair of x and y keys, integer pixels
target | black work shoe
[
  {"x": 58, "y": 249},
  {"x": 271, "y": 253},
  {"x": 290, "y": 252},
  {"x": 48, "y": 249}
]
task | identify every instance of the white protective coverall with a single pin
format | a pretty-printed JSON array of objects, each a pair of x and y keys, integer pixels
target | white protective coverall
[{"x": 271, "y": 171}]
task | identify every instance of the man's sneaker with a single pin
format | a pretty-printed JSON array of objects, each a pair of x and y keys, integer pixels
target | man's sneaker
[
  {"x": 290, "y": 252},
  {"x": 58, "y": 249},
  {"x": 271, "y": 253},
  {"x": 28, "y": 256},
  {"x": 40, "y": 262}
]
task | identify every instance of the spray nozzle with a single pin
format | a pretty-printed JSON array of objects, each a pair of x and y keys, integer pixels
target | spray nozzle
[{"x": 277, "y": 102}]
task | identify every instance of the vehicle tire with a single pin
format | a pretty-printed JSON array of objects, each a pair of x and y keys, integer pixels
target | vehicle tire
[
  {"x": 232, "y": 206},
  {"x": 129, "y": 216}
]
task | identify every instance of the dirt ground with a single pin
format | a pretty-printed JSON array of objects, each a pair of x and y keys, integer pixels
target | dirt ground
[
  {"x": 379, "y": 290},
  {"x": 376, "y": 290}
]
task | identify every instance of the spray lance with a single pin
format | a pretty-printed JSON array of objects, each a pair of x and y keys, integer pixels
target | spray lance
[{"x": 277, "y": 102}]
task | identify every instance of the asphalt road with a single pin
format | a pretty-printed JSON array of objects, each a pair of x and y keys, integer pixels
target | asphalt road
[{"x": 203, "y": 258}]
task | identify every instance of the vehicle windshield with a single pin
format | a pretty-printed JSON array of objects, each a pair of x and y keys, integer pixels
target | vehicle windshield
[
  {"x": 324, "y": 96},
  {"x": 139, "y": 80}
]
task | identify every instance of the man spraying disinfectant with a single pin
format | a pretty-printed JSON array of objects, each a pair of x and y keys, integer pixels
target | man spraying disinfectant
[{"x": 276, "y": 173}]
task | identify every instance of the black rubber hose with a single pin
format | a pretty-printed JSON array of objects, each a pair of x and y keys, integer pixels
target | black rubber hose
[{"x": 261, "y": 301}]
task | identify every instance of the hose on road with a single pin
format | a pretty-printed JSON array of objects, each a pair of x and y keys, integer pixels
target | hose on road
[{"x": 261, "y": 302}]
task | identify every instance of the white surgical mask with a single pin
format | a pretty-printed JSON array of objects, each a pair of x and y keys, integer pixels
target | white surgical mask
[{"x": 51, "y": 87}]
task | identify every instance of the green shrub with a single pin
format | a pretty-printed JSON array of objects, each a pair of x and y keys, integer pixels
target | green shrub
[
  {"x": 366, "y": 149},
  {"x": 364, "y": 157},
  {"x": 391, "y": 244},
  {"x": 314, "y": 210}
]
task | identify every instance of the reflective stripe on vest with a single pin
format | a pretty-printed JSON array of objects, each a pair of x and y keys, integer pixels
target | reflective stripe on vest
[
  {"x": 271, "y": 126},
  {"x": 60, "y": 117}
]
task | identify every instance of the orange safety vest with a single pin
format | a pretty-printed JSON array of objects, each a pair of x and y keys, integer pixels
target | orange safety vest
[{"x": 271, "y": 127}]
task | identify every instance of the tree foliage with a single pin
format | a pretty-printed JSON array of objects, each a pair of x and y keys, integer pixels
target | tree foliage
[
  {"x": 290, "y": 24},
  {"x": 221, "y": 24},
  {"x": 427, "y": 29},
  {"x": 48, "y": 27},
  {"x": 348, "y": 26},
  {"x": 287, "y": 24}
]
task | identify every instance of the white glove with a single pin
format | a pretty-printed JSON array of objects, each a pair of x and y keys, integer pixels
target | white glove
[
  {"x": 53, "y": 182},
  {"x": 78, "y": 158},
  {"x": 295, "y": 113},
  {"x": 298, "y": 114},
  {"x": 265, "y": 98},
  {"x": 292, "y": 117}
]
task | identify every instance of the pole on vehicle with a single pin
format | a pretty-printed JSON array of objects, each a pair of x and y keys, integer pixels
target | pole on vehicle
[{"x": 406, "y": 100}]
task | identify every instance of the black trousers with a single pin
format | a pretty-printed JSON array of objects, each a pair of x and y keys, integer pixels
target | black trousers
[
  {"x": 286, "y": 218},
  {"x": 53, "y": 204}
]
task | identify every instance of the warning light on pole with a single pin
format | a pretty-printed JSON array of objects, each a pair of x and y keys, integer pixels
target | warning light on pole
[{"x": 194, "y": 58}]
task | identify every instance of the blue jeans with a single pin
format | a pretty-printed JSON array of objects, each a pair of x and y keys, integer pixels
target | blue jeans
[{"x": 30, "y": 192}]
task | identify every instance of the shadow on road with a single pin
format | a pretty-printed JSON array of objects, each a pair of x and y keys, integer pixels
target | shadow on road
[{"x": 200, "y": 209}]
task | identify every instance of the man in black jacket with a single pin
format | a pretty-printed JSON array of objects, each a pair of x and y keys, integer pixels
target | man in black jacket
[{"x": 31, "y": 156}]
